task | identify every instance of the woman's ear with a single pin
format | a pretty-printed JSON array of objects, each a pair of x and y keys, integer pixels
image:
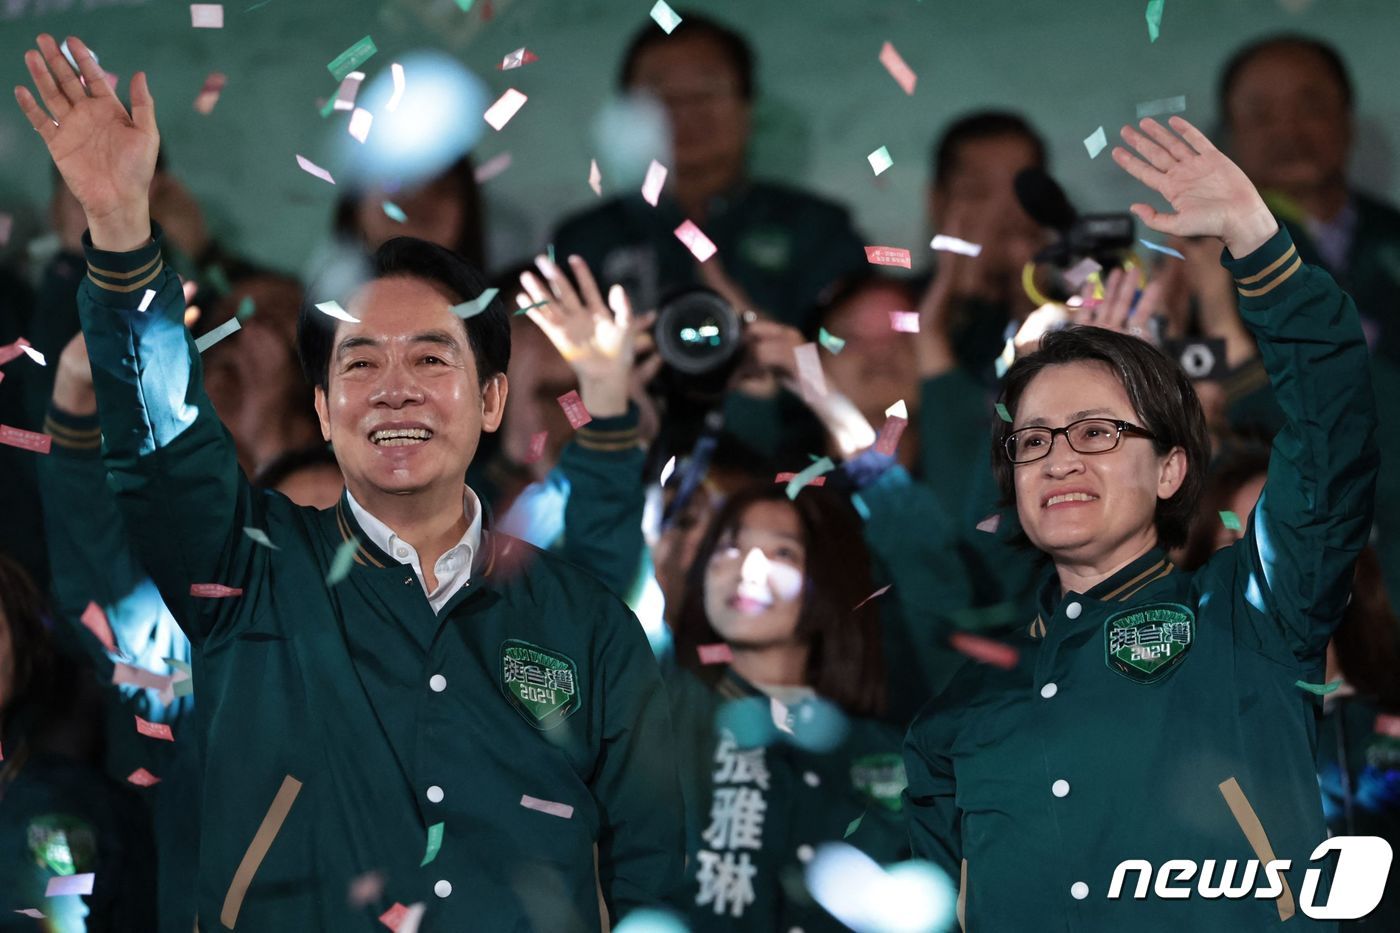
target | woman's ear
[{"x": 1173, "y": 473}]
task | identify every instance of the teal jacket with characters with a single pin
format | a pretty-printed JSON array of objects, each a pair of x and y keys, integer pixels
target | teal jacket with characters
[
  {"x": 762, "y": 797},
  {"x": 1158, "y": 716},
  {"x": 480, "y": 760}
]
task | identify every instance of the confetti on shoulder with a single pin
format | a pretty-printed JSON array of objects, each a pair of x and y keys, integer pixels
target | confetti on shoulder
[
  {"x": 506, "y": 107},
  {"x": 561, "y": 810},
  {"x": 207, "y": 15},
  {"x": 665, "y": 17},
  {"x": 1096, "y": 142},
  {"x": 311, "y": 168},
  {"x": 333, "y": 309}
]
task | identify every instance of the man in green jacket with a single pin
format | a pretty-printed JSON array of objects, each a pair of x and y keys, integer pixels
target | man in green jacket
[
  {"x": 1146, "y": 713},
  {"x": 496, "y": 753}
]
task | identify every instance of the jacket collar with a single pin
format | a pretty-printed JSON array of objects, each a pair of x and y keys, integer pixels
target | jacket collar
[
  {"x": 369, "y": 554},
  {"x": 1121, "y": 587}
]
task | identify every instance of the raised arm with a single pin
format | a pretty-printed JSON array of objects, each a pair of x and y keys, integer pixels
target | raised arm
[
  {"x": 1315, "y": 513},
  {"x": 171, "y": 462}
]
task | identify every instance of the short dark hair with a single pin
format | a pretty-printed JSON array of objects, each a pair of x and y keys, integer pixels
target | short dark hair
[
  {"x": 488, "y": 333},
  {"x": 693, "y": 26},
  {"x": 1331, "y": 60},
  {"x": 979, "y": 125},
  {"x": 471, "y": 237},
  {"x": 845, "y": 661},
  {"x": 1162, "y": 398}
]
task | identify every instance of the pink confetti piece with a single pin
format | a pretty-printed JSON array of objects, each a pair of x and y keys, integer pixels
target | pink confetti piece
[
  {"x": 888, "y": 256},
  {"x": 906, "y": 322},
  {"x": 890, "y": 433},
  {"x": 875, "y": 595},
  {"x": 7, "y": 223},
  {"x": 360, "y": 122},
  {"x": 140, "y": 677},
  {"x": 156, "y": 730},
  {"x": 12, "y": 350},
  {"x": 985, "y": 650},
  {"x": 990, "y": 524},
  {"x": 897, "y": 68},
  {"x": 347, "y": 92},
  {"x": 656, "y": 178},
  {"x": 209, "y": 94},
  {"x": 536, "y": 450},
  {"x": 399, "y": 85},
  {"x": 573, "y": 409},
  {"x": 207, "y": 15},
  {"x": 517, "y": 59},
  {"x": 95, "y": 621},
  {"x": 142, "y": 778},
  {"x": 501, "y": 112},
  {"x": 69, "y": 884},
  {"x": 214, "y": 590},
  {"x": 311, "y": 168},
  {"x": 789, "y": 477},
  {"x": 25, "y": 440},
  {"x": 34, "y": 912},
  {"x": 809, "y": 372},
  {"x": 561, "y": 810},
  {"x": 595, "y": 178},
  {"x": 1387, "y": 724},
  {"x": 492, "y": 167},
  {"x": 366, "y": 888},
  {"x": 700, "y": 246},
  {"x": 718, "y": 653},
  {"x": 403, "y": 919}
]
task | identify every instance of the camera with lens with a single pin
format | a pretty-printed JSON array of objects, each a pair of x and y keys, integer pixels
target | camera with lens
[{"x": 1095, "y": 241}]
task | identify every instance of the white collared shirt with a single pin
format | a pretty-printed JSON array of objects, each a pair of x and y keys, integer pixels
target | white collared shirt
[{"x": 453, "y": 569}]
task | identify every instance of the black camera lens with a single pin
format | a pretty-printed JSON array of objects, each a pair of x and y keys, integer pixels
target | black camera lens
[{"x": 697, "y": 331}]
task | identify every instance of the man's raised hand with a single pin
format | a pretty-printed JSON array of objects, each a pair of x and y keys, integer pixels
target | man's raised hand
[
  {"x": 1210, "y": 194},
  {"x": 106, "y": 155}
]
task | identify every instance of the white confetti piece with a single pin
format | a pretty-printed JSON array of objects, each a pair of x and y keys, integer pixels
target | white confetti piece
[
  {"x": 501, "y": 112},
  {"x": 1079, "y": 273},
  {"x": 780, "y": 715},
  {"x": 898, "y": 410},
  {"x": 809, "y": 372},
  {"x": 476, "y": 305},
  {"x": 1155, "y": 108},
  {"x": 219, "y": 333},
  {"x": 34, "y": 912},
  {"x": 1159, "y": 248},
  {"x": 69, "y": 884},
  {"x": 311, "y": 168},
  {"x": 349, "y": 89},
  {"x": 906, "y": 322},
  {"x": 561, "y": 810},
  {"x": 895, "y": 65},
  {"x": 656, "y": 179},
  {"x": 665, "y": 17},
  {"x": 951, "y": 244},
  {"x": 880, "y": 160},
  {"x": 1096, "y": 142},
  {"x": 209, "y": 93},
  {"x": 521, "y": 56},
  {"x": 360, "y": 122},
  {"x": 333, "y": 309},
  {"x": 990, "y": 524},
  {"x": 397, "y": 71},
  {"x": 492, "y": 167},
  {"x": 207, "y": 15},
  {"x": 595, "y": 178},
  {"x": 258, "y": 536},
  {"x": 33, "y": 354},
  {"x": 700, "y": 246}
]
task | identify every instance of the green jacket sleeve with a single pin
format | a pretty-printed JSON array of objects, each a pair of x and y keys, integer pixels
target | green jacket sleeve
[
  {"x": 930, "y": 800},
  {"x": 1314, "y": 515},
  {"x": 641, "y": 843},
  {"x": 954, "y": 425},
  {"x": 172, "y": 464},
  {"x": 603, "y": 518}
]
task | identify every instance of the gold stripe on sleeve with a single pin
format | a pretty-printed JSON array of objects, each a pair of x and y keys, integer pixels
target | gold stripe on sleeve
[{"x": 1264, "y": 273}]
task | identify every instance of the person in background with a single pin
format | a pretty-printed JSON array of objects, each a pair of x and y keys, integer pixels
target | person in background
[
  {"x": 1289, "y": 110},
  {"x": 59, "y": 815},
  {"x": 775, "y": 696},
  {"x": 309, "y": 477},
  {"x": 445, "y": 209},
  {"x": 778, "y": 246}
]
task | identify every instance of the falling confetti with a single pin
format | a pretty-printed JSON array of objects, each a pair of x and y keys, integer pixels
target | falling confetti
[
  {"x": 1158, "y": 247},
  {"x": 898, "y": 70},
  {"x": 810, "y": 379},
  {"x": 12, "y": 351},
  {"x": 397, "y": 71},
  {"x": 667, "y": 18},
  {"x": 146, "y": 299},
  {"x": 360, "y": 122},
  {"x": 69, "y": 884},
  {"x": 155, "y": 730},
  {"x": 1002, "y": 413},
  {"x": 347, "y": 92},
  {"x": 1231, "y": 521},
  {"x": 880, "y": 159},
  {"x": 209, "y": 94},
  {"x": 1096, "y": 142},
  {"x": 573, "y": 409},
  {"x": 888, "y": 256},
  {"x": 475, "y": 306},
  {"x": 833, "y": 344},
  {"x": 1155, "y": 108},
  {"x": 142, "y": 778},
  {"x": 394, "y": 212},
  {"x": 258, "y": 536},
  {"x": 517, "y": 59},
  {"x": 205, "y": 341},
  {"x": 805, "y": 478},
  {"x": 434, "y": 844},
  {"x": 214, "y": 590},
  {"x": 342, "y": 562},
  {"x": 700, "y": 246},
  {"x": 536, "y": 451},
  {"x": 509, "y": 104},
  {"x": 595, "y": 178},
  {"x": 1154, "y": 19},
  {"x": 890, "y": 432},
  {"x": 33, "y": 354},
  {"x": 365, "y": 889},
  {"x": 789, "y": 476},
  {"x": 990, "y": 524},
  {"x": 1319, "y": 689},
  {"x": 951, "y": 244},
  {"x": 351, "y": 59},
  {"x": 492, "y": 167},
  {"x": 656, "y": 178},
  {"x": 985, "y": 650},
  {"x": 906, "y": 322},
  {"x": 25, "y": 440},
  {"x": 875, "y": 595},
  {"x": 403, "y": 919},
  {"x": 333, "y": 309},
  {"x": 207, "y": 15},
  {"x": 852, "y": 826},
  {"x": 718, "y": 653},
  {"x": 95, "y": 621},
  {"x": 311, "y": 168},
  {"x": 561, "y": 810}
]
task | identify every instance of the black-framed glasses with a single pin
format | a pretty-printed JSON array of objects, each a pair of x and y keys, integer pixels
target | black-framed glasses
[{"x": 1085, "y": 436}]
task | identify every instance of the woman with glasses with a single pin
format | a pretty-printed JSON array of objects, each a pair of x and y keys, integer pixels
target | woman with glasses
[{"x": 1146, "y": 713}]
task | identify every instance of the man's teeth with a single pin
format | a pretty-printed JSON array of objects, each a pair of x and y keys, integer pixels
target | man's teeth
[
  {"x": 400, "y": 437},
  {"x": 1070, "y": 497}
]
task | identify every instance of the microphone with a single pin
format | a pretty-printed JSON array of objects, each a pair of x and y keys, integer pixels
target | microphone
[{"x": 1044, "y": 200}]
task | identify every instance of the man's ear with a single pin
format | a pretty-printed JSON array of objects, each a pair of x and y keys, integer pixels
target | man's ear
[
  {"x": 323, "y": 413},
  {"x": 493, "y": 401},
  {"x": 1174, "y": 469}
]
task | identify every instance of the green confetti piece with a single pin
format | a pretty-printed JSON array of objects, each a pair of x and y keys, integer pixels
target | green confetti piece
[
  {"x": 215, "y": 276},
  {"x": 328, "y": 109},
  {"x": 260, "y": 537},
  {"x": 861, "y": 508},
  {"x": 1154, "y": 18},
  {"x": 1002, "y": 413},
  {"x": 394, "y": 212},
  {"x": 834, "y": 344},
  {"x": 343, "y": 561},
  {"x": 205, "y": 341},
  {"x": 550, "y": 250},
  {"x": 434, "y": 843},
  {"x": 465, "y": 5},
  {"x": 351, "y": 58},
  {"x": 794, "y": 486},
  {"x": 477, "y": 305},
  {"x": 184, "y": 687},
  {"x": 1318, "y": 689},
  {"x": 246, "y": 307},
  {"x": 1096, "y": 142},
  {"x": 538, "y": 304},
  {"x": 179, "y": 665},
  {"x": 852, "y": 826},
  {"x": 1231, "y": 521}
]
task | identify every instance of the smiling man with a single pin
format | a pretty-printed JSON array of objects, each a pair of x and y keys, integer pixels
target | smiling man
[{"x": 402, "y": 707}]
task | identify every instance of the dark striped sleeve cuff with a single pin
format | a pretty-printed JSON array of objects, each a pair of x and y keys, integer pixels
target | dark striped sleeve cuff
[
  {"x": 122, "y": 273},
  {"x": 1259, "y": 274},
  {"x": 612, "y": 434},
  {"x": 77, "y": 435}
]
